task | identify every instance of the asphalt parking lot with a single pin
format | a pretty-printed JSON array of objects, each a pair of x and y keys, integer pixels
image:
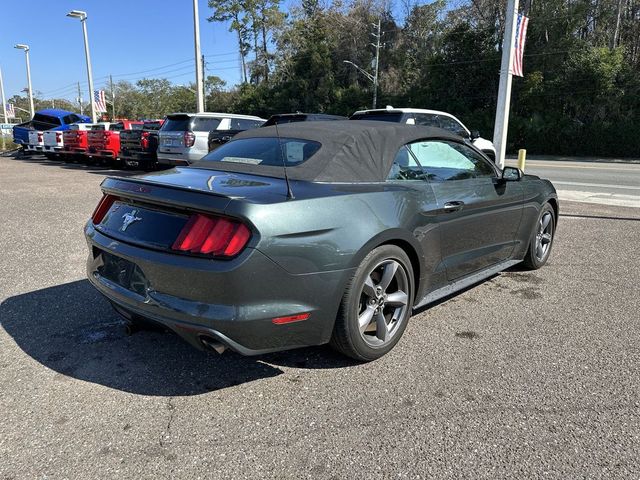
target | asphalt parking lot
[{"x": 529, "y": 374}]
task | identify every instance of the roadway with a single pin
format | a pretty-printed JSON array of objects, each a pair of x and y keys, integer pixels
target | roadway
[
  {"x": 526, "y": 375},
  {"x": 615, "y": 184}
]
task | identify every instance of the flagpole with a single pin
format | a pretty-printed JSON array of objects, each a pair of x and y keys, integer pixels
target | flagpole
[
  {"x": 4, "y": 108},
  {"x": 504, "y": 89},
  {"x": 4, "y": 100}
]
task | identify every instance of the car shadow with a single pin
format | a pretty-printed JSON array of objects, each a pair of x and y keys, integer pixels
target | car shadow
[{"x": 73, "y": 330}]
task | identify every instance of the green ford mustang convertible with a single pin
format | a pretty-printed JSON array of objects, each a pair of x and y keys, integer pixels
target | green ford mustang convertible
[{"x": 311, "y": 233}]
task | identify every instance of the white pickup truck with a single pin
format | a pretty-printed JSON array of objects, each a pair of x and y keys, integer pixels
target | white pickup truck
[
  {"x": 53, "y": 142},
  {"x": 36, "y": 141}
]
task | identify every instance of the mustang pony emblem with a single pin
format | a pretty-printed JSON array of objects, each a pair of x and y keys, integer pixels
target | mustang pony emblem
[{"x": 129, "y": 218}]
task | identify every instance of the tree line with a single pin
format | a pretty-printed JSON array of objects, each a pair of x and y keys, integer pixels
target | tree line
[{"x": 580, "y": 93}]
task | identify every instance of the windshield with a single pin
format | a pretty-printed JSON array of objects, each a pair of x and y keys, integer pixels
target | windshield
[
  {"x": 152, "y": 125},
  {"x": 380, "y": 116},
  {"x": 262, "y": 151},
  {"x": 280, "y": 120}
]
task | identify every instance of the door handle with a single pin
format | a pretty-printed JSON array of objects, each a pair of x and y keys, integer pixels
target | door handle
[{"x": 453, "y": 206}]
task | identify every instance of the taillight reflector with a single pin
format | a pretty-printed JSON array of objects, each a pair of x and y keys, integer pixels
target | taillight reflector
[
  {"x": 290, "y": 319},
  {"x": 102, "y": 208},
  {"x": 212, "y": 235}
]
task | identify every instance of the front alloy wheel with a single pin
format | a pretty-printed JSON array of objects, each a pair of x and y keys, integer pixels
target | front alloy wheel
[
  {"x": 376, "y": 305},
  {"x": 542, "y": 239}
]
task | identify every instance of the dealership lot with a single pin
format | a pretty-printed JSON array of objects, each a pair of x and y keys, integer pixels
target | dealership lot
[{"x": 525, "y": 375}]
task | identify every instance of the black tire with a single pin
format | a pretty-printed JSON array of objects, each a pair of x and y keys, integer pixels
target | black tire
[
  {"x": 347, "y": 337},
  {"x": 532, "y": 259}
]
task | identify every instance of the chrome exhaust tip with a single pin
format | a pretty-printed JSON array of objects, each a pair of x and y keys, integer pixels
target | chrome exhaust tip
[{"x": 211, "y": 344}]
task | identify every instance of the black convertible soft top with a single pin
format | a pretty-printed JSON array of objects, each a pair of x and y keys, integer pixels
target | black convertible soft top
[{"x": 352, "y": 150}]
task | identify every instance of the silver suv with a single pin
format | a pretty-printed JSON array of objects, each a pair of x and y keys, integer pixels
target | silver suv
[{"x": 183, "y": 137}]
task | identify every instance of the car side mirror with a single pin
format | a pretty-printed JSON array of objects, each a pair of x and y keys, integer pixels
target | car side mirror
[
  {"x": 511, "y": 174},
  {"x": 475, "y": 134}
]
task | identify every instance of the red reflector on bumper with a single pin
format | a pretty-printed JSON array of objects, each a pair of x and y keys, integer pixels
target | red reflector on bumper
[{"x": 290, "y": 319}]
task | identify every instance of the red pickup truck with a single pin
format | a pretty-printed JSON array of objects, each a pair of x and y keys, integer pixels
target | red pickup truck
[
  {"x": 75, "y": 141},
  {"x": 104, "y": 141}
]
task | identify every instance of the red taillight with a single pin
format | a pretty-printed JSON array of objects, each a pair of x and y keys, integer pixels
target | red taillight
[
  {"x": 102, "y": 208},
  {"x": 58, "y": 137},
  {"x": 189, "y": 139},
  {"x": 107, "y": 138},
  {"x": 290, "y": 319},
  {"x": 39, "y": 136},
  {"x": 144, "y": 141},
  {"x": 212, "y": 235}
]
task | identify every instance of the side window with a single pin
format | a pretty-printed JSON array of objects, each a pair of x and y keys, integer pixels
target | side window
[
  {"x": 452, "y": 125},
  {"x": 405, "y": 167},
  {"x": 205, "y": 124},
  {"x": 428, "y": 120},
  {"x": 445, "y": 161}
]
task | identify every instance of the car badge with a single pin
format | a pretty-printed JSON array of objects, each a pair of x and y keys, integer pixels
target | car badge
[{"x": 129, "y": 218}]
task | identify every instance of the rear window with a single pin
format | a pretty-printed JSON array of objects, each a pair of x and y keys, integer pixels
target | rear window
[
  {"x": 46, "y": 119},
  {"x": 137, "y": 126},
  {"x": 177, "y": 123},
  {"x": 116, "y": 127},
  {"x": 380, "y": 116},
  {"x": 262, "y": 151},
  {"x": 98, "y": 127},
  {"x": 205, "y": 124}
]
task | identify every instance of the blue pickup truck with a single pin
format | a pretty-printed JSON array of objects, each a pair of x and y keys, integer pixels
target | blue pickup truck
[{"x": 49, "y": 119}]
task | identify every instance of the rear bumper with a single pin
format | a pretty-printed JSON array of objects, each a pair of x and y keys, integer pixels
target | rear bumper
[
  {"x": 233, "y": 302},
  {"x": 51, "y": 149},
  {"x": 134, "y": 159},
  {"x": 178, "y": 158}
]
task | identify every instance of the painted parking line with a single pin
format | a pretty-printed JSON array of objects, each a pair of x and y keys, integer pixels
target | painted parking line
[
  {"x": 613, "y": 199},
  {"x": 598, "y": 185},
  {"x": 577, "y": 166}
]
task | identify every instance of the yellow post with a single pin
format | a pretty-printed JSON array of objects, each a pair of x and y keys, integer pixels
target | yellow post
[{"x": 522, "y": 158}]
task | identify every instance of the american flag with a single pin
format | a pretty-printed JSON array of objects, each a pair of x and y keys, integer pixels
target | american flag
[
  {"x": 521, "y": 35},
  {"x": 11, "y": 112},
  {"x": 100, "y": 100}
]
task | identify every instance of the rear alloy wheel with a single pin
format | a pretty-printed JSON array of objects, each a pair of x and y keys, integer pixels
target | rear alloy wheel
[
  {"x": 376, "y": 305},
  {"x": 542, "y": 239}
]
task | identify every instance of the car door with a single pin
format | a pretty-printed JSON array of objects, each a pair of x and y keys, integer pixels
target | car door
[
  {"x": 478, "y": 213},
  {"x": 416, "y": 210}
]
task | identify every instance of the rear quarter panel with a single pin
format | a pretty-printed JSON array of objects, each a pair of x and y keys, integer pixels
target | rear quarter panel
[{"x": 336, "y": 231}]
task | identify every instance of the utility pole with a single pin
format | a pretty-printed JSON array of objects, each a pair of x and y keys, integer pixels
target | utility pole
[
  {"x": 377, "y": 36},
  {"x": 198, "y": 55},
  {"x": 204, "y": 83},
  {"x": 80, "y": 99},
  {"x": 504, "y": 90},
  {"x": 113, "y": 99}
]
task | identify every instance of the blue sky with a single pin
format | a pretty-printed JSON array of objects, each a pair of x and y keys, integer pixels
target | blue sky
[{"x": 126, "y": 37}]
